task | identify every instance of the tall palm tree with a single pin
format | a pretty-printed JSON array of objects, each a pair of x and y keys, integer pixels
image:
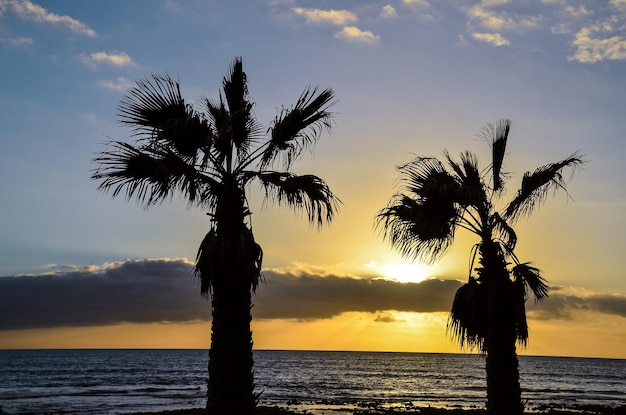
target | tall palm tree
[
  {"x": 211, "y": 158},
  {"x": 420, "y": 221}
]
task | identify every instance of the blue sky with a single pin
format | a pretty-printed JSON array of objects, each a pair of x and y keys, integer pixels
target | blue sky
[{"x": 411, "y": 78}]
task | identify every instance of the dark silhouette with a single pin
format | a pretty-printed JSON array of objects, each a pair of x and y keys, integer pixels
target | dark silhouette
[
  {"x": 211, "y": 158},
  {"x": 420, "y": 221}
]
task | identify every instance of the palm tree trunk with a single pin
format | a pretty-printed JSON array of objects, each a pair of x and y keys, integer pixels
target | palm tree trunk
[
  {"x": 230, "y": 387},
  {"x": 231, "y": 384},
  {"x": 503, "y": 388}
]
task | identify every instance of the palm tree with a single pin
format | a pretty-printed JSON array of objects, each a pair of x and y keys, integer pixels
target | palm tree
[
  {"x": 211, "y": 158},
  {"x": 420, "y": 221}
]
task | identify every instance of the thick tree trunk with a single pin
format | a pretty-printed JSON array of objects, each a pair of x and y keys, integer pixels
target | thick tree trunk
[
  {"x": 503, "y": 388},
  {"x": 230, "y": 387},
  {"x": 231, "y": 383}
]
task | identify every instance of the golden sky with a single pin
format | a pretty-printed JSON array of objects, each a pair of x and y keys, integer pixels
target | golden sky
[{"x": 78, "y": 269}]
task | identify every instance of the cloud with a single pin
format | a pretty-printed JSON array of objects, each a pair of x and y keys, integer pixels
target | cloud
[
  {"x": 119, "y": 84},
  {"x": 33, "y": 12},
  {"x": 420, "y": 3},
  {"x": 17, "y": 41},
  {"x": 337, "y": 17},
  {"x": 489, "y": 19},
  {"x": 163, "y": 290},
  {"x": 619, "y": 5},
  {"x": 115, "y": 59},
  {"x": 597, "y": 43},
  {"x": 563, "y": 302},
  {"x": 354, "y": 34},
  {"x": 577, "y": 12},
  {"x": 388, "y": 12},
  {"x": 493, "y": 38}
]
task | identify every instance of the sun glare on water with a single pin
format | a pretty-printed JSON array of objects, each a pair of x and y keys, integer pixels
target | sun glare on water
[{"x": 402, "y": 271}]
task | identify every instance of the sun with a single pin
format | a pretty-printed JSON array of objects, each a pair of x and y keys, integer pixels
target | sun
[{"x": 402, "y": 271}]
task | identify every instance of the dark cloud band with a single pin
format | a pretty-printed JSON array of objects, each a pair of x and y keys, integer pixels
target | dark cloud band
[{"x": 165, "y": 291}]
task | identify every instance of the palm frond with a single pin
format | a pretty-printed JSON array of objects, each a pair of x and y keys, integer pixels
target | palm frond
[
  {"x": 467, "y": 323},
  {"x": 536, "y": 185},
  {"x": 497, "y": 136},
  {"x": 300, "y": 191},
  {"x": 148, "y": 174},
  {"x": 427, "y": 178},
  {"x": 519, "y": 309},
  {"x": 220, "y": 119},
  {"x": 152, "y": 102},
  {"x": 471, "y": 190},
  {"x": 215, "y": 262},
  {"x": 505, "y": 232},
  {"x": 418, "y": 229},
  {"x": 297, "y": 129},
  {"x": 531, "y": 279},
  {"x": 157, "y": 109},
  {"x": 242, "y": 122}
]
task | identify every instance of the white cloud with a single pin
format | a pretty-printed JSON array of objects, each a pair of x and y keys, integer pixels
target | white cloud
[
  {"x": 619, "y": 5},
  {"x": 493, "y": 38},
  {"x": 354, "y": 34},
  {"x": 17, "y": 41},
  {"x": 337, "y": 17},
  {"x": 388, "y": 11},
  {"x": 33, "y": 12},
  {"x": 491, "y": 20},
  {"x": 420, "y": 3},
  {"x": 591, "y": 47},
  {"x": 119, "y": 84},
  {"x": 115, "y": 59},
  {"x": 577, "y": 12}
]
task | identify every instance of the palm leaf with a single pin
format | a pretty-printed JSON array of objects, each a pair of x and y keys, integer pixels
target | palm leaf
[
  {"x": 497, "y": 136},
  {"x": 215, "y": 262},
  {"x": 418, "y": 229},
  {"x": 296, "y": 129},
  {"x": 505, "y": 232},
  {"x": 241, "y": 120},
  {"x": 531, "y": 279},
  {"x": 467, "y": 323},
  {"x": 157, "y": 109},
  {"x": 306, "y": 192},
  {"x": 148, "y": 174},
  {"x": 536, "y": 185},
  {"x": 150, "y": 103}
]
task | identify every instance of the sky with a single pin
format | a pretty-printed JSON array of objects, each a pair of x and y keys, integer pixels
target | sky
[{"x": 79, "y": 269}]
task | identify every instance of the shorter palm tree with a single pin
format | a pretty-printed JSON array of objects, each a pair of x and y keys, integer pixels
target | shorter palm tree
[
  {"x": 420, "y": 221},
  {"x": 211, "y": 158}
]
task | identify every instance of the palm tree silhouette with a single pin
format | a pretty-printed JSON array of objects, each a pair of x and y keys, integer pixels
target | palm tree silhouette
[
  {"x": 211, "y": 158},
  {"x": 420, "y": 221}
]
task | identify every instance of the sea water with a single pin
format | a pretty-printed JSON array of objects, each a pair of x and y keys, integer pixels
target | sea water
[{"x": 122, "y": 381}]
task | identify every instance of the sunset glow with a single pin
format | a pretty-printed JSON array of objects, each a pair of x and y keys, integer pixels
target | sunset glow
[{"x": 411, "y": 79}]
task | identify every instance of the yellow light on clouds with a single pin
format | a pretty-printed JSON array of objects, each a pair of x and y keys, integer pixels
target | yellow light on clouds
[{"x": 402, "y": 271}]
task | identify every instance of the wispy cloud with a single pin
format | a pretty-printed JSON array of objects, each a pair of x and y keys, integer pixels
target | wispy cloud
[
  {"x": 115, "y": 59},
  {"x": 354, "y": 34},
  {"x": 419, "y": 3},
  {"x": 493, "y": 38},
  {"x": 17, "y": 41},
  {"x": 119, "y": 84},
  {"x": 388, "y": 12},
  {"x": 336, "y": 17},
  {"x": 28, "y": 10},
  {"x": 604, "y": 39}
]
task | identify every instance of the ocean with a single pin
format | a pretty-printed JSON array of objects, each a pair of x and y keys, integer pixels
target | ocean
[{"x": 122, "y": 381}]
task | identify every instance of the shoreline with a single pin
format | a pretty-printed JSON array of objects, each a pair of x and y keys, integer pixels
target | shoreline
[{"x": 378, "y": 410}]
